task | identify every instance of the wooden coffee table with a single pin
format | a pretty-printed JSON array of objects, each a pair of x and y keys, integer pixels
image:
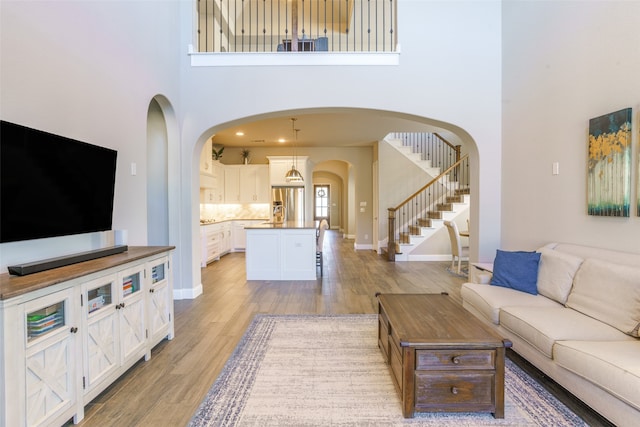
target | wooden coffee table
[{"x": 442, "y": 359}]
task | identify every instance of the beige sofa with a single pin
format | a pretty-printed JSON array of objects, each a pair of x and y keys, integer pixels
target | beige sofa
[{"x": 581, "y": 329}]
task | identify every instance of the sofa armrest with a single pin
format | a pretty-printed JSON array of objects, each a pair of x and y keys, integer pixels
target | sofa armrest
[{"x": 480, "y": 272}]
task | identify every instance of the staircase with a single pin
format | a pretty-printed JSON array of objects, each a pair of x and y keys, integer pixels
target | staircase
[{"x": 417, "y": 219}]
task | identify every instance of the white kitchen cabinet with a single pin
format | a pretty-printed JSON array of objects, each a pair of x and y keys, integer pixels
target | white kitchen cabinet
[
  {"x": 232, "y": 184},
  {"x": 263, "y": 186},
  {"x": 212, "y": 183},
  {"x": 211, "y": 240},
  {"x": 281, "y": 253},
  {"x": 216, "y": 240},
  {"x": 216, "y": 191},
  {"x": 65, "y": 337},
  {"x": 239, "y": 234},
  {"x": 254, "y": 184},
  {"x": 280, "y": 165},
  {"x": 206, "y": 157},
  {"x": 226, "y": 238},
  {"x": 247, "y": 184}
]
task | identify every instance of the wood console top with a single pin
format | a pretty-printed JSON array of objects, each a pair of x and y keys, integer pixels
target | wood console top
[{"x": 13, "y": 286}]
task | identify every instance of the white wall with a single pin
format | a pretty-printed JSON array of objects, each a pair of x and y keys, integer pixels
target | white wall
[
  {"x": 446, "y": 77},
  {"x": 564, "y": 63},
  {"x": 88, "y": 71}
]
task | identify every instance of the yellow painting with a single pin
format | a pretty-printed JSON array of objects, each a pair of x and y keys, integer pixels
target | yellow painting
[{"x": 609, "y": 168}]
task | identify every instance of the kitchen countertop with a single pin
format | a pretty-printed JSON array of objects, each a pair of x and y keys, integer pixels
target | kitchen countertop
[
  {"x": 231, "y": 219},
  {"x": 283, "y": 225}
]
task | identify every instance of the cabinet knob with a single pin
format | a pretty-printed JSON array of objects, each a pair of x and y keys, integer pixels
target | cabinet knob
[
  {"x": 151, "y": 291},
  {"x": 455, "y": 360},
  {"x": 121, "y": 305},
  {"x": 454, "y": 390},
  {"x": 74, "y": 329}
]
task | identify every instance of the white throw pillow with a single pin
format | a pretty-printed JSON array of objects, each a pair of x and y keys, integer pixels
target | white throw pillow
[
  {"x": 555, "y": 274},
  {"x": 608, "y": 292}
]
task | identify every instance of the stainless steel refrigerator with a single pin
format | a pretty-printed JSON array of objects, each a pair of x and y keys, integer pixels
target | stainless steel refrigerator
[{"x": 292, "y": 201}]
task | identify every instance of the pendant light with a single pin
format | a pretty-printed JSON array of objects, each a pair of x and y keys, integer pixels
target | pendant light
[{"x": 293, "y": 175}]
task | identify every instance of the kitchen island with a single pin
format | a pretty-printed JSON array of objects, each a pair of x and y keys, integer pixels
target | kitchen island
[{"x": 281, "y": 251}]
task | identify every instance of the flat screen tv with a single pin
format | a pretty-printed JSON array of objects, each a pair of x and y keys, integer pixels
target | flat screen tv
[{"x": 52, "y": 186}]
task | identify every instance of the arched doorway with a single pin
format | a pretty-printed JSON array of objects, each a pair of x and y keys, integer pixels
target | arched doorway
[
  {"x": 157, "y": 177},
  {"x": 360, "y": 207}
]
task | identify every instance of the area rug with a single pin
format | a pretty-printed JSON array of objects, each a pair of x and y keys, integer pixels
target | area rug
[{"x": 328, "y": 371}]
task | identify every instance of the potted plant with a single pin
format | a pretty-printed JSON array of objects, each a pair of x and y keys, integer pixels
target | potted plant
[
  {"x": 245, "y": 155},
  {"x": 216, "y": 154}
]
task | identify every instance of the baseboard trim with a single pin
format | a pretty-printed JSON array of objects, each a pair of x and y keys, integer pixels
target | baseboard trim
[
  {"x": 426, "y": 257},
  {"x": 192, "y": 293},
  {"x": 360, "y": 246}
]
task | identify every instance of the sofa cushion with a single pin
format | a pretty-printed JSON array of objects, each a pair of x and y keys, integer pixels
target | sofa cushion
[
  {"x": 555, "y": 274},
  {"x": 612, "y": 366},
  {"x": 608, "y": 292},
  {"x": 516, "y": 270},
  {"x": 487, "y": 300},
  {"x": 541, "y": 327}
]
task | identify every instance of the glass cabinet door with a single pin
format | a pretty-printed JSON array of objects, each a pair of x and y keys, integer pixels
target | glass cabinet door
[
  {"x": 45, "y": 320},
  {"x": 50, "y": 343},
  {"x": 157, "y": 272},
  {"x": 100, "y": 332},
  {"x": 132, "y": 323},
  {"x": 131, "y": 283},
  {"x": 100, "y": 295}
]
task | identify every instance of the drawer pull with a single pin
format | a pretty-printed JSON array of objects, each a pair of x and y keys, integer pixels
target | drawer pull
[
  {"x": 455, "y": 360},
  {"x": 454, "y": 390}
]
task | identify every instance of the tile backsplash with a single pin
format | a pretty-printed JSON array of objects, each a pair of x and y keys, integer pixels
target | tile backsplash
[{"x": 221, "y": 212}]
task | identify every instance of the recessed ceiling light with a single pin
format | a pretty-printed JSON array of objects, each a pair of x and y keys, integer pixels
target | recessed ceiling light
[
  {"x": 282, "y": 140},
  {"x": 239, "y": 133}
]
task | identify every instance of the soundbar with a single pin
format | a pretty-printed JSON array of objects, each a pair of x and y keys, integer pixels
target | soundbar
[{"x": 48, "y": 264}]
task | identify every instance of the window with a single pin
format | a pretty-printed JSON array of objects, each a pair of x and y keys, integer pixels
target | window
[{"x": 321, "y": 202}]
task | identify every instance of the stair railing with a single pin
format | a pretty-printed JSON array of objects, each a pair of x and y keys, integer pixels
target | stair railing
[
  {"x": 447, "y": 188},
  {"x": 433, "y": 147}
]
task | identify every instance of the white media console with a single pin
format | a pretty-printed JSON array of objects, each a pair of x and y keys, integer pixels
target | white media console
[{"x": 69, "y": 332}]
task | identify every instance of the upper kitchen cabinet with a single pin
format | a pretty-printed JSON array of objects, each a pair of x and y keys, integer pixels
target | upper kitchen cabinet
[
  {"x": 206, "y": 158},
  {"x": 247, "y": 184},
  {"x": 211, "y": 177},
  {"x": 280, "y": 165}
]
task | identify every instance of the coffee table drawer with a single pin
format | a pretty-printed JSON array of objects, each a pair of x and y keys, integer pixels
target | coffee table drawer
[
  {"x": 455, "y": 391},
  {"x": 451, "y": 359}
]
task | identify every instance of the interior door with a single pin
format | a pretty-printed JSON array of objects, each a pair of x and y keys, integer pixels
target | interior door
[{"x": 321, "y": 201}]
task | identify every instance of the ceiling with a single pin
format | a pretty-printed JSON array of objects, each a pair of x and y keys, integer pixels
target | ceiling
[{"x": 342, "y": 129}]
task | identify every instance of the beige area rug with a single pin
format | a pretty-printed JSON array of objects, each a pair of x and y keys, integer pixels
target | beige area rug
[{"x": 328, "y": 371}]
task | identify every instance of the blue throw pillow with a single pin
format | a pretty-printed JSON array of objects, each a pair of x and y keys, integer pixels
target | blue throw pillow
[{"x": 516, "y": 270}]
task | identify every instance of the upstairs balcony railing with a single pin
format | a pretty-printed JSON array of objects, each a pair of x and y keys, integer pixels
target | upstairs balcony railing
[{"x": 296, "y": 25}]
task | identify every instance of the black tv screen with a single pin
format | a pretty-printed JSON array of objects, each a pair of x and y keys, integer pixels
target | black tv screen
[{"x": 52, "y": 186}]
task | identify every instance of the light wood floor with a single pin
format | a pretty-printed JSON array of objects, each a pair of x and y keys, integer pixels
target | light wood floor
[{"x": 166, "y": 390}]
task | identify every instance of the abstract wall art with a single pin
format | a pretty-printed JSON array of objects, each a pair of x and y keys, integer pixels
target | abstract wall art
[{"x": 609, "y": 167}]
